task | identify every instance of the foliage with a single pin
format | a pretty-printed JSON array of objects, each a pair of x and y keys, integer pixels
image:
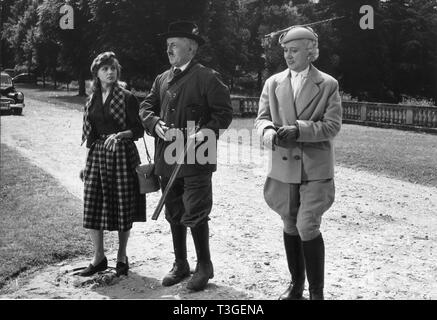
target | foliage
[{"x": 398, "y": 57}]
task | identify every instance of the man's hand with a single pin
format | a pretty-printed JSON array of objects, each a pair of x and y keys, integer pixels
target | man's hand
[
  {"x": 160, "y": 129},
  {"x": 287, "y": 134},
  {"x": 269, "y": 138}
]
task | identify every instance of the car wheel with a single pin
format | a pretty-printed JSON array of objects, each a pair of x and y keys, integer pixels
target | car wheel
[{"x": 17, "y": 112}]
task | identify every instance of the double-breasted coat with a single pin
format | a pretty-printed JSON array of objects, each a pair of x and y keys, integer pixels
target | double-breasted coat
[{"x": 317, "y": 113}]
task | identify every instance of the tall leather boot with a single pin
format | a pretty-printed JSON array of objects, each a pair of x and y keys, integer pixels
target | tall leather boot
[
  {"x": 296, "y": 265},
  {"x": 204, "y": 269},
  {"x": 314, "y": 252},
  {"x": 181, "y": 268}
]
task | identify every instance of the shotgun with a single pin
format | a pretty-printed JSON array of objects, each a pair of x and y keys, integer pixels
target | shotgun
[{"x": 173, "y": 176}]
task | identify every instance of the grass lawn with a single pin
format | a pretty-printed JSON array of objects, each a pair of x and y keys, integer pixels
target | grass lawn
[
  {"x": 64, "y": 98},
  {"x": 41, "y": 223},
  {"x": 405, "y": 155}
]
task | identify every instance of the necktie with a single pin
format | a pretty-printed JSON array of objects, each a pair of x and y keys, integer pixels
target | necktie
[{"x": 177, "y": 71}]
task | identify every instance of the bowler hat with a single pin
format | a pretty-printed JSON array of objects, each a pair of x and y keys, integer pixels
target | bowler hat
[
  {"x": 183, "y": 29},
  {"x": 298, "y": 33}
]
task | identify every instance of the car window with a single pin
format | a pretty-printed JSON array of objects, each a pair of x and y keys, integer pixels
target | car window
[{"x": 6, "y": 81}]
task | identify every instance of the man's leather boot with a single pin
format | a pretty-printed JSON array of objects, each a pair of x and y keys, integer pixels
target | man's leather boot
[
  {"x": 204, "y": 269},
  {"x": 181, "y": 268},
  {"x": 314, "y": 252},
  {"x": 296, "y": 265}
]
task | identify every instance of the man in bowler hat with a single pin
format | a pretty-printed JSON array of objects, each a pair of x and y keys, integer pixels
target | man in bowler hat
[
  {"x": 299, "y": 116},
  {"x": 187, "y": 92}
]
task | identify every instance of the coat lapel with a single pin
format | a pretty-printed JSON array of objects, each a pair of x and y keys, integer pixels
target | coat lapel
[
  {"x": 117, "y": 107},
  {"x": 284, "y": 94},
  {"x": 309, "y": 90}
]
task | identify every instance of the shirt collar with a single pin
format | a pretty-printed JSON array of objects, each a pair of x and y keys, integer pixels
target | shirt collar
[
  {"x": 183, "y": 67},
  {"x": 303, "y": 73}
]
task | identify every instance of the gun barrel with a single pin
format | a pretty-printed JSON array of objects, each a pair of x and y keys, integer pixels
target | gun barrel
[{"x": 170, "y": 182}]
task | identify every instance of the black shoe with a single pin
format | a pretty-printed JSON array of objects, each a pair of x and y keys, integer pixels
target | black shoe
[
  {"x": 91, "y": 269},
  {"x": 121, "y": 268},
  {"x": 204, "y": 271},
  {"x": 180, "y": 271},
  {"x": 293, "y": 292}
]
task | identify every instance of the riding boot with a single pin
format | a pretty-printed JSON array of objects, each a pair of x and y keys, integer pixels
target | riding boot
[
  {"x": 204, "y": 269},
  {"x": 296, "y": 266},
  {"x": 314, "y": 252},
  {"x": 181, "y": 268}
]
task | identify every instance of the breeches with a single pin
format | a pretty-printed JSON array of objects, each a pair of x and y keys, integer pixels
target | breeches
[
  {"x": 189, "y": 201},
  {"x": 300, "y": 206}
]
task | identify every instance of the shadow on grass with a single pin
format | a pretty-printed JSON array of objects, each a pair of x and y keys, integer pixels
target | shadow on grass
[{"x": 41, "y": 223}]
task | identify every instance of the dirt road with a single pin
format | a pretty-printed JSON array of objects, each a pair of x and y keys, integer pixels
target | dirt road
[{"x": 380, "y": 234}]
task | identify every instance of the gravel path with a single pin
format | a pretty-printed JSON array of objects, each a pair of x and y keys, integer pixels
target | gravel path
[{"x": 380, "y": 234}]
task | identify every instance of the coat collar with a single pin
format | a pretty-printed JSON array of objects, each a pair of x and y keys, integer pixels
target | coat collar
[
  {"x": 284, "y": 94},
  {"x": 309, "y": 90},
  {"x": 172, "y": 78}
]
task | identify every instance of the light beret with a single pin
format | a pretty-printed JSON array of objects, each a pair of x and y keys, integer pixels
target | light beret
[{"x": 297, "y": 33}]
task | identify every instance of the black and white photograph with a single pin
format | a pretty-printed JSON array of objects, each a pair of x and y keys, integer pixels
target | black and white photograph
[{"x": 211, "y": 156}]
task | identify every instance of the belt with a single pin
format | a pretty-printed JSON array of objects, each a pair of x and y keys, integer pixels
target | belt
[{"x": 104, "y": 136}]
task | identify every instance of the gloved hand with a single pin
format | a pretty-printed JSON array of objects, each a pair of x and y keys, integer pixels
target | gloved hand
[
  {"x": 269, "y": 138},
  {"x": 287, "y": 135}
]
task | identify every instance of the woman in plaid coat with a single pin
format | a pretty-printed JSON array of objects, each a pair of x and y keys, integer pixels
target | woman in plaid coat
[{"x": 111, "y": 193}]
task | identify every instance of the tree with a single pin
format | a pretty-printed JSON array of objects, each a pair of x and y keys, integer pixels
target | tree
[
  {"x": 19, "y": 30},
  {"x": 75, "y": 45},
  {"x": 225, "y": 49},
  {"x": 131, "y": 28}
]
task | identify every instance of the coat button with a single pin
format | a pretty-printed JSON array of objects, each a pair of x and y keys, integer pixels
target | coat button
[
  {"x": 297, "y": 157},
  {"x": 284, "y": 158}
]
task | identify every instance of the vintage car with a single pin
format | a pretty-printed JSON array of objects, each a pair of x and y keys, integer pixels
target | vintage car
[
  {"x": 11, "y": 100},
  {"x": 24, "y": 78}
]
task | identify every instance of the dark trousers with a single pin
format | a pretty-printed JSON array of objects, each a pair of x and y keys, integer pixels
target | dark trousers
[{"x": 189, "y": 201}]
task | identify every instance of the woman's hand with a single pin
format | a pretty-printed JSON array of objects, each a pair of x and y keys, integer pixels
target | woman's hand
[
  {"x": 111, "y": 142},
  {"x": 269, "y": 139}
]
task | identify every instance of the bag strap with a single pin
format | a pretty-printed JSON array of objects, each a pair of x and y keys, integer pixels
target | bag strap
[{"x": 147, "y": 151}]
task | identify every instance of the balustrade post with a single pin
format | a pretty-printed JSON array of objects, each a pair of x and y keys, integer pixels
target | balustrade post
[{"x": 409, "y": 116}]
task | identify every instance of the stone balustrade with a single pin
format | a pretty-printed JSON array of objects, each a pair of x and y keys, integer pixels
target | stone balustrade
[{"x": 414, "y": 117}]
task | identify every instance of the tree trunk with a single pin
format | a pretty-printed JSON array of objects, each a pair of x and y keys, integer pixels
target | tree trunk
[
  {"x": 43, "y": 79},
  {"x": 259, "y": 80},
  {"x": 82, "y": 89}
]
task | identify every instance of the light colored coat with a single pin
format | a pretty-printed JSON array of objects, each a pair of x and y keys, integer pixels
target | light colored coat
[{"x": 317, "y": 113}]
